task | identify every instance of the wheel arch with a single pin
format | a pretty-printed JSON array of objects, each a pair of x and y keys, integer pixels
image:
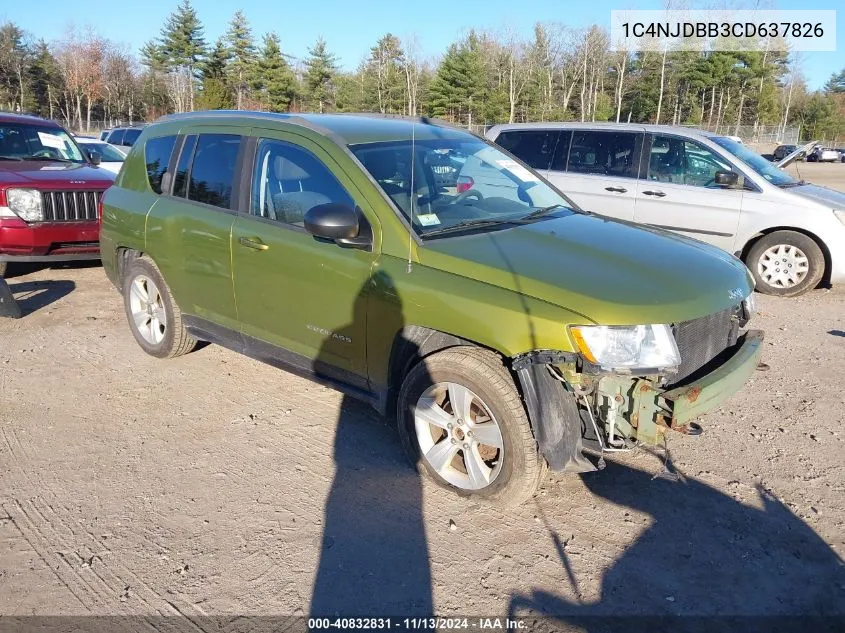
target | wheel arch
[
  {"x": 410, "y": 345},
  {"x": 751, "y": 241}
]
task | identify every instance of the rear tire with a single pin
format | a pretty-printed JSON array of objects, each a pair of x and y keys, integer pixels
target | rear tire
[
  {"x": 786, "y": 263},
  {"x": 489, "y": 453},
  {"x": 154, "y": 318}
]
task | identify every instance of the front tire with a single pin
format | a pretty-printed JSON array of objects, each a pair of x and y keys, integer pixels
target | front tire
[
  {"x": 154, "y": 318},
  {"x": 786, "y": 263},
  {"x": 462, "y": 422}
]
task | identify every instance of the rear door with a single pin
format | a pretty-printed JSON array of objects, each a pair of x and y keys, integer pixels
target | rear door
[
  {"x": 598, "y": 169},
  {"x": 189, "y": 230},
  {"x": 294, "y": 291},
  {"x": 678, "y": 192}
]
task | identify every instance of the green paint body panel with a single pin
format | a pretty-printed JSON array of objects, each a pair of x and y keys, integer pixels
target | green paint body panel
[
  {"x": 512, "y": 290},
  {"x": 712, "y": 390}
]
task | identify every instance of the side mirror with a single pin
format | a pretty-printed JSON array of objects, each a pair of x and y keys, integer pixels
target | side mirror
[
  {"x": 95, "y": 157},
  {"x": 336, "y": 222},
  {"x": 726, "y": 178}
]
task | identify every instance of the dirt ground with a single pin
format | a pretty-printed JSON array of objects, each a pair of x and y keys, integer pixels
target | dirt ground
[{"x": 214, "y": 484}]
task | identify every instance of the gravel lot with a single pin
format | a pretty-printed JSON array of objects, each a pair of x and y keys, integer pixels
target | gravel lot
[{"x": 214, "y": 484}]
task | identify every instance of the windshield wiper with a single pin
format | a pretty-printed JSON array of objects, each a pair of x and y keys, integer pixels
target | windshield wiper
[
  {"x": 46, "y": 158},
  {"x": 538, "y": 213},
  {"x": 466, "y": 224},
  {"x": 17, "y": 158},
  {"x": 796, "y": 183}
]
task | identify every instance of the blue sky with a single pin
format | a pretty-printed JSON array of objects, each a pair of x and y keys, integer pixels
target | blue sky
[{"x": 350, "y": 27}]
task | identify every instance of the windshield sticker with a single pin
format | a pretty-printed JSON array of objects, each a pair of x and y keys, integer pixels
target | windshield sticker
[
  {"x": 428, "y": 219},
  {"x": 51, "y": 140},
  {"x": 517, "y": 170}
]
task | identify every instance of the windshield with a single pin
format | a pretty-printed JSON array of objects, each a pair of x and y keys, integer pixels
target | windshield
[
  {"x": 20, "y": 141},
  {"x": 457, "y": 182},
  {"x": 107, "y": 152},
  {"x": 766, "y": 169}
]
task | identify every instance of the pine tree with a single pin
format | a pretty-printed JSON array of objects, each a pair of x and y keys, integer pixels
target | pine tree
[
  {"x": 215, "y": 92},
  {"x": 44, "y": 80},
  {"x": 182, "y": 45},
  {"x": 321, "y": 69},
  {"x": 275, "y": 78},
  {"x": 458, "y": 88},
  {"x": 836, "y": 83},
  {"x": 242, "y": 48}
]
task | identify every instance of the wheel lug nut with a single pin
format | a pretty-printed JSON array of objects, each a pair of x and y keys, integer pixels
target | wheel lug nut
[
  {"x": 454, "y": 441},
  {"x": 469, "y": 433},
  {"x": 466, "y": 446},
  {"x": 450, "y": 426}
]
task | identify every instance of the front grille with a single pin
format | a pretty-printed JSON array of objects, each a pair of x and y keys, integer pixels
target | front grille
[
  {"x": 70, "y": 206},
  {"x": 701, "y": 340}
]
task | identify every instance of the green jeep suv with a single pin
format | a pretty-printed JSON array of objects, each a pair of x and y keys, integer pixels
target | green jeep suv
[{"x": 426, "y": 271}]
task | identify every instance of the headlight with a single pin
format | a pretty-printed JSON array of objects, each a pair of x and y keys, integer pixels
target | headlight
[
  {"x": 26, "y": 203},
  {"x": 627, "y": 347},
  {"x": 840, "y": 213}
]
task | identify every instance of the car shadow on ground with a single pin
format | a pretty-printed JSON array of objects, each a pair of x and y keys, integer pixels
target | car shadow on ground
[
  {"x": 374, "y": 553},
  {"x": 836, "y": 333},
  {"x": 19, "y": 269},
  {"x": 703, "y": 554},
  {"x": 31, "y": 296}
]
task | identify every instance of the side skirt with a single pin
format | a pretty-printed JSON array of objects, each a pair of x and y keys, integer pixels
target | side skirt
[{"x": 326, "y": 375}]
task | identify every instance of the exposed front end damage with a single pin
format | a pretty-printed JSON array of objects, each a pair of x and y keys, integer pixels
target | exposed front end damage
[{"x": 571, "y": 404}]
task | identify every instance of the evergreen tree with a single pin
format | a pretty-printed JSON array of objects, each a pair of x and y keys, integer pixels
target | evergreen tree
[
  {"x": 321, "y": 69},
  {"x": 836, "y": 83},
  {"x": 242, "y": 63},
  {"x": 153, "y": 57},
  {"x": 215, "y": 92},
  {"x": 182, "y": 42},
  {"x": 275, "y": 78},
  {"x": 44, "y": 80},
  {"x": 458, "y": 88}
]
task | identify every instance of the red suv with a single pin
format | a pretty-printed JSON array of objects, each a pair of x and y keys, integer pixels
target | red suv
[{"x": 49, "y": 193}]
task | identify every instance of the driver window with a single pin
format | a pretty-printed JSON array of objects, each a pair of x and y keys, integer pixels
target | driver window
[
  {"x": 683, "y": 162},
  {"x": 289, "y": 181}
]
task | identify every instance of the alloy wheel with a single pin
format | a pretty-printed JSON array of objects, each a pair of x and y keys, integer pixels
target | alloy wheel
[
  {"x": 458, "y": 436},
  {"x": 147, "y": 308}
]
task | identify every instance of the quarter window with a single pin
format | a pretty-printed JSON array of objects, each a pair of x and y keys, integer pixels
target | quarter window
[
  {"x": 289, "y": 181},
  {"x": 603, "y": 153},
  {"x": 213, "y": 169},
  {"x": 679, "y": 161},
  {"x": 157, "y": 153},
  {"x": 533, "y": 147}
]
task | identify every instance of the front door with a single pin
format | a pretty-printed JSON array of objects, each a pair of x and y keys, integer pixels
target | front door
[
  {"x": 679, "y": 193},
  {"x": 292, "y": 290}
]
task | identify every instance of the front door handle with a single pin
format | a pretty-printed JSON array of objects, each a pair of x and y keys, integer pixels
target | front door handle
[
  {"x": 659, "y": 194},
  {"x": 616, "y": 189},
  {"x": 253, "y": 242}
]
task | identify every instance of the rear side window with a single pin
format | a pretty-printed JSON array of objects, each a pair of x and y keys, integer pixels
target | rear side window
[
  {"x": 115, "y": 137},
  {"x": 603, "y": 153},
  {"x": 131, "y": 136},
  {"x": 157, "y": 153},
  {"x": 212, "y": 175},
  {"x": 533, "y": 147}
]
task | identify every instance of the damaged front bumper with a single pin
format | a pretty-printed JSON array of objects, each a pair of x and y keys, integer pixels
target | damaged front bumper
[{"x": 623, "y": 409}]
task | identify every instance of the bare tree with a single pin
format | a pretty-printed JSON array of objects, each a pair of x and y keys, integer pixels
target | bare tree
[{"x": 412, "y": 68}]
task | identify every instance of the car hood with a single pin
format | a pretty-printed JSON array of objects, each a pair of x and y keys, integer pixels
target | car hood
[
  {"x": 35, "y": 173},
  {"x": 817, "y": 193},
  {"x": 609, "y": 271}
]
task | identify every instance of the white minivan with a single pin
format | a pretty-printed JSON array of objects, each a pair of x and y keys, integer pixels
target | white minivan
[{"x": 790, "y": 234}]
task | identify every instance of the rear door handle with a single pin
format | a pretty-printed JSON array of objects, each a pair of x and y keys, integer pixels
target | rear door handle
[
  {"x": 616, "y": 189},
  {"x": 253, "y": 242},
  {"x": 659, "y": 194}
]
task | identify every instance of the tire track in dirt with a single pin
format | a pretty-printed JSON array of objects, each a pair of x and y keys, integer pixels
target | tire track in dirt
[{"x": 105, "y": 584}]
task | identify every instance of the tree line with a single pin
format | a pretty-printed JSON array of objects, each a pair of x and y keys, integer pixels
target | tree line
[{"x": 555, "y": 73}]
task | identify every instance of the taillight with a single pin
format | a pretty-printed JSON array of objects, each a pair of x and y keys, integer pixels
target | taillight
[
  {"x": 465, "y": 183},
  {"x": 100, "y": 208}
]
